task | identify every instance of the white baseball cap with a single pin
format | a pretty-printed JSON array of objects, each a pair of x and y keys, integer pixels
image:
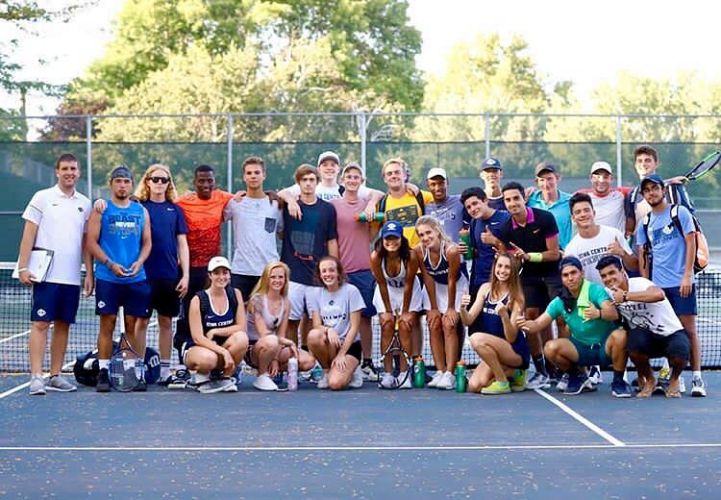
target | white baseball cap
[
  {"x": 437, "y": 172},
  {"x": 601, "y": 165},
  {"x": 328, "y": 155},
  {"x": 217, "y": 262}
]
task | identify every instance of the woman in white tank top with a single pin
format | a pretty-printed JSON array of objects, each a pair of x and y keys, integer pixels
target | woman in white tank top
[{"x": 268, "y": 310}]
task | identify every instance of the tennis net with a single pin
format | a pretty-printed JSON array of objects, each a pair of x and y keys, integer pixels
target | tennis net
[{"x": 15, "y": 302}]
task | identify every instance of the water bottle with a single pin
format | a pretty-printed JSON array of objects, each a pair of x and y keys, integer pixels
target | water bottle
[
  {"x": 377, "y": 217},
  {"x": 317, "y": 373},
  {"x": 292, "y": 374},
  {"x": 465, "y": 236},
  {"x": 460, "y": 373},
  {"x": 419, "y": 373}
]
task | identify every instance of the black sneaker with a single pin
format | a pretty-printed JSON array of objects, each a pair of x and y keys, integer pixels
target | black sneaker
[
  {"x": 179, "y": 380},
  {"x": 369, "y": 371},
  {"x": 103, "y": 384},
  {"x": 141, "y": 386}
]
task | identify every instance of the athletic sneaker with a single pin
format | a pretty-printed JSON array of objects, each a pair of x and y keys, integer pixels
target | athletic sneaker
[
  {"x": 435, "y": 379},
  {"x": 447, "y": 382},
  {"x": 103, "y": 384},
  {"x": 538, "y": 381},
  {"x": 369, "y": 371},
  {"x": 621, "y": 389},
  {"x": 211, "y": 386},
  {"x": 228, "y": 384},
  {"x": 594, "y": 375},
  {"x": 388, "y": 381},
  {"x": 577, "y": 384},
  {"x": 37, "y": 385},
  {"x": 563, "y": 383},
  {"x": 59, "y": 384},
  {"x": 407, "y": 383},
  {"x": 518, "y": 381},
  {"x": 356, "y": 381},
  {"x": 323, "y": 382},
  {"x": 141, "y": 386},
  {"x": 264, "y": 383},
  {"x": 698, "y": 388},
  {"x": 497, "y": 387},
  {"x": 179, "y": 380}
]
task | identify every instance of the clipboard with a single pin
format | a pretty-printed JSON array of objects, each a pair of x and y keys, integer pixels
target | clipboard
[{"x": 38, "y": 264}]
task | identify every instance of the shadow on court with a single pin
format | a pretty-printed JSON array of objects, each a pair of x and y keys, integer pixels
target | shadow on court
[{"x": 364, "y": 443}]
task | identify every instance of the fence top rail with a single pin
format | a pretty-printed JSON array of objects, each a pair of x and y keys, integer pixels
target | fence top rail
[{"x": 351, "y": 114}]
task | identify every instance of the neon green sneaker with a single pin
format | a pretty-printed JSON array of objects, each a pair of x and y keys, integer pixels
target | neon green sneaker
[
  {"x": 518, "y": 381},
  {"x": 497, "y": 388}
]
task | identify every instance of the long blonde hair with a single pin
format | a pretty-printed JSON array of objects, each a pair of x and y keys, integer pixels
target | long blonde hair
[
  {"x": 263, "y": 285},
  {"x": 142, "y": 192}
]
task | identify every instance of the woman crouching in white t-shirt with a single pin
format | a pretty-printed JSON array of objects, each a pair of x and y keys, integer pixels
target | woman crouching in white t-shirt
[
  {"x": 267, "y": 318},
  {"x": 334, "y": 339}
]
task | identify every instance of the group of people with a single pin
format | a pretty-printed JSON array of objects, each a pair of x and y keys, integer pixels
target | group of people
[{"x": 553, "y": 280}]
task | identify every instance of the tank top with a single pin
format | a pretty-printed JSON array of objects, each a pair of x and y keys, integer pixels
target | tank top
[
  {"x": 439, "y": 272},
  {"x": 210, "y": 318},
  {"x": 272, "y": 321},
  {"x": 398, "y": 281},
  {"x": 121, "y": 237},
  {"x": 493, "y": 324}
]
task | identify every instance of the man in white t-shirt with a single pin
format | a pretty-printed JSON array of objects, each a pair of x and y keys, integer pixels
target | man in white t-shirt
[
  {"x": 257, "y": 220},
  {"x": 609, "y": 202},
  {"x": 55, "y": 219},
  {"x": 593, "y": 241},
  {"x": 654, "y": 330}
]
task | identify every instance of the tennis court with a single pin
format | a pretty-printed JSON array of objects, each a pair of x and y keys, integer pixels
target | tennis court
[{"x": 359, "y": 443}]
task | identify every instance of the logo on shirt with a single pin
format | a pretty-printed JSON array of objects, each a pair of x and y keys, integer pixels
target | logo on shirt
[
  {"x": 668, "y": 229},
  {"x": 81, "y": 210}
]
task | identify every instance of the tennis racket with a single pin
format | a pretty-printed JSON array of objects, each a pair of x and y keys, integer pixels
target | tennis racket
[
  {"x": 123, "y": 376},
  {"x": 704, "y": 166},
  {"x": 397, "y": 358}
]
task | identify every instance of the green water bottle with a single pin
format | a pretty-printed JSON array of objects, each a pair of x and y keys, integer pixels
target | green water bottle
[
  {"x": 460, "y": 373},
  {"x": 419, "y": 373},
  {"x": 377, "y": 217},
  {"x": 465, "y": 236}
]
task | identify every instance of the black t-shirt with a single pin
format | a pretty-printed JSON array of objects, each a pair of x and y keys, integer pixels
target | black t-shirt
[{"x": 540, "y": 224}]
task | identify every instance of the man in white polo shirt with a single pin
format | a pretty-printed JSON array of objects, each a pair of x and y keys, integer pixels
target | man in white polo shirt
[{"x": 55, "y": 220}]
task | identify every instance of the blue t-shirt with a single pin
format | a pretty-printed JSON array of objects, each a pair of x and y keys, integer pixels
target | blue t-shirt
[
  {"x": 451, "y": 214},
  {"x": 166, "y": 223},
  {"x": 121, "y": 238},
  {"x": 668, "y": 245},
  {"x": 484, "y": 254},
  {"x": 305, "y": 241},
  {"x": 561, "y": 211}
]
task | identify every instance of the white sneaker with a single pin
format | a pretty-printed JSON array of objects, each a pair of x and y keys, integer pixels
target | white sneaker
[
  {"x": 538, "y": 381},
  {"x": 37, "y": 385},
  {"x": 435, "y": 379},
  {"x": 60, "y": 384},
  {"x": 323, "y": 382},
  {"x": 228, "y": 384},
  {"x": 264, "y": 383},
  {"x": 356, "y": 381},
  {"x": 447, "y": 383},
  {"x": 407, "y": 383},
  {"x": 388, "y": 381}
]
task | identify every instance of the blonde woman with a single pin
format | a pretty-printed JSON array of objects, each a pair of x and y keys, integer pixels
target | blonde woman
[
  {"x": 268, "y": 309},
  {"x": 168, "y": 279},
  {"x": 445, "y": 281}
]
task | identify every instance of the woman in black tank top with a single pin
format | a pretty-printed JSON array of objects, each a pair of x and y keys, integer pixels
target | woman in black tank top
[{"x": 217, "y": 326}]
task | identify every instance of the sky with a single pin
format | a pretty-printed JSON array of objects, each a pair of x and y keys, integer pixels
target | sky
[{"x": 585, "y": 42}]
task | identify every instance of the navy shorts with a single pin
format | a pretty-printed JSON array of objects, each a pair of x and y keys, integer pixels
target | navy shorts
[
  {"x": 590, "y": 355},
  {"x": 539, "y": 292},
  {"x": 164, "y": 298},
  {"x": 133, "y": 297},
  {"x": 366, "y": 285},
  {"x": 643, "y": 341},
  {"x": 55, "y": 302},
  {"x": 245, "y": 283},
  {"x": 682, "y": 306}
]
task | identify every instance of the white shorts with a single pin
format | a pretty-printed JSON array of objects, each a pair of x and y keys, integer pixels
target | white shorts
[
  {"x": 396, "y": 296},
  {"x": 442, "y": 295},
  {"x": 302, "y": 300}
]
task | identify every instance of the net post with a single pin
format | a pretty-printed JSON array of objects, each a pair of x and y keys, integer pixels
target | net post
[
  {"x": 89, "y": 153},
  {"x": 229, "y": 181},
  {"x": 619, "y": 143},
  {"x": 487, "y": 132}
]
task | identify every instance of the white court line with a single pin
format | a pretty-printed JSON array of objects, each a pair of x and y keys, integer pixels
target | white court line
[
  {"x": 26, "y": 384},
  {"x": 436, "y": 448},
  {"x": 8, "y": 339},
  {"x": 583, "y": 420}
]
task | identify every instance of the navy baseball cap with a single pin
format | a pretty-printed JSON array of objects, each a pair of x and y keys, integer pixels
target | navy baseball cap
[
  {"x": 491, "y": 163},
  {"x": 392, "y": 228},
  {"x": 121, "y": 172},
  {"x": 655, "y": 178}
]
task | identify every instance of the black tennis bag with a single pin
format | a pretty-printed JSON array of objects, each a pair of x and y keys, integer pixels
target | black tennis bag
[{"x": 86, "y": 366}]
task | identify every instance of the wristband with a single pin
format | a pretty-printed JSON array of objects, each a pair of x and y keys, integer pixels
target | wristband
[
  {"x": 535, "y": 257},
  {"x": 22, "y": 269}
]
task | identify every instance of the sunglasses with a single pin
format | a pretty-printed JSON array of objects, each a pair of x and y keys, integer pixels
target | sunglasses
[{"x": 163, "y": 180}]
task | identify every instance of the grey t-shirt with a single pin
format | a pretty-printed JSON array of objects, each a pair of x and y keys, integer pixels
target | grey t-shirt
[
  {"x": 256, "y": 221},
  {"x": 335, "y": 307}
]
